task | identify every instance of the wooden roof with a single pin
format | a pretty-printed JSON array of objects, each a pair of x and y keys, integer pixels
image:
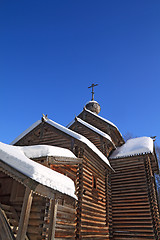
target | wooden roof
[
  {"x": 137, "y": 147},
  {"x": 82, "y": 140},
  {"x": 100, "y": 139},
  {"x": 102, "y": 124},
  {"x": 28, "y": 182}
]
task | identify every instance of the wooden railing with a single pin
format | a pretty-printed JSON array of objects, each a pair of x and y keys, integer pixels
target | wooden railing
[
  {"x": 9, "y": 217},
  {"x": 5, "y": 228}
]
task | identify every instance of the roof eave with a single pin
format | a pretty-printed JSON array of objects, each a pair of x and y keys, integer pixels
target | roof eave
[
  {"x": 24, "y": 133},
  {"x": 107, "y": 121},
  {"x": 81, "y": 122},
  {"x": 131, "y": 155},
  {"x": 30, "y": 183}
]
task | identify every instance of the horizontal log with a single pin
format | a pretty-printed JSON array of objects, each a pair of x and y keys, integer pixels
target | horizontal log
[
  {"x": 65, "y": 227},
  {"x": 133, "y": 207},
  {"x": 66, "y": 209},
  {"x": 95, "y": 206},
  {"x": 35, "y": 215},
  {"x": 134, "y": 230},
  {"x": 65, "y": 216},
  {"x": 34, "y": 230},
  {"x": 34, "y": 236},
  {"x": 36, "y": 222}
]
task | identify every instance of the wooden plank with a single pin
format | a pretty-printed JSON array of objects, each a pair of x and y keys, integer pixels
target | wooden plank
[
  {"x": 64, "y": 160},
  {"x": 53, "y": 216},
  {"x": 25, "y": 212},
  {"x": 132, "y": 217},
  {"x": 5, "y": 230}
]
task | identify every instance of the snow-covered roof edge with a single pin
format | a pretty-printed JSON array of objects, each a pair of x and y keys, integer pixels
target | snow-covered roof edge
[
  {"x": 98, "y": 131},
  {"x": 37, "y": 151},
  {"x": 69, "y": 132},
  {"x": 133, "y": 147},
  {"x": 105, "y": 120},
  {"x": 25, "y": 132},
  {"x": 80, "y": 138},
  {"x": 15, "y": 157}
]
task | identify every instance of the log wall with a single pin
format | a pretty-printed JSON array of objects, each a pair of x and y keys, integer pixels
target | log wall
[
  {"x": 132, "y": 200},
  {"x": 94, "y": 218},
  {"x": 66, "y": 220},
  {"x": 46, "y": 134},
  {"x": 118, "y": 206},
  {"x": 109, "y": 204},
  {"x": 91, "y": 185},
  {"x": 5, "y": 188},
  {"x": 11, "y": 199}
]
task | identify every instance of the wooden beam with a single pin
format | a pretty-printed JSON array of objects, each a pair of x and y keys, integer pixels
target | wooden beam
[
  {"x": 5, "y": 229},
  {"x": 45, "y": 191},
  {"x": 64, "y": 160},
  {"x": 25, "y": 213},
  {"x": 53, "y": 217}
]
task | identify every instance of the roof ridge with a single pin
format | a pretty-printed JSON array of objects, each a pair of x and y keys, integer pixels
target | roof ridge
[
  {"x": 95, "y": 129},
  {"x": 102, "y": 118},
  {"x": 25, "y": 132},
  {"x": 82, "y": 139},
  {"x": 69, "y": 132}
]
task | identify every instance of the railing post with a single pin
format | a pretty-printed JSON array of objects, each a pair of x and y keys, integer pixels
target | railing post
[
  {"x": 25, "y": 213},
  {"x": 53, "y": 217}
]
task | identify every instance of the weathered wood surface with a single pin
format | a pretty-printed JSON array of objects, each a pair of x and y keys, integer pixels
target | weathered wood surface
[
  {"x": 92, "y": 208},
  {"x": 122, "y": 206},
  {"x": 5, "y": 229},
  {"x": 102, "y": 143},
  {"x": 53, "y": 217},
  {"x": 132, "y": 211},
  {"x": 25, "y": 213},
  {"x": 39, "y": 217},
  {"x": 109, "y": 203},
  {"x": 65, "y": 222},
  {"x": 23, "y": 179},
  {"x": 91, "y": 218},
  {"x": 103, "y": 126}
]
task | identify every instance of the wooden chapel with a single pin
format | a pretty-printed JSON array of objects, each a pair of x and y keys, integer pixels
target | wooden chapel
[{"x": 114, "y": 180}]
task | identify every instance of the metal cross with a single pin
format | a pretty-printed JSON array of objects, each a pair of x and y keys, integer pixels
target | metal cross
[{"x": 92, "y": 86}]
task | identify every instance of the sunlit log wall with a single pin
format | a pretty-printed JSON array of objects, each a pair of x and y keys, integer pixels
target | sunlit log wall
[
  {"x": 134, "y": 202},
  {"x": 94, "y": 197},
  {"x": 93, "y": 214}
]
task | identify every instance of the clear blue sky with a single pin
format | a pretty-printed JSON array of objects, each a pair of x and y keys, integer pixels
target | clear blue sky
[{"x": 51, "y": 51}]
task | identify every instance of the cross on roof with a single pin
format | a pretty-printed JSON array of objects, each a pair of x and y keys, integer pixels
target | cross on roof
[{"x": 92, "y": 86}]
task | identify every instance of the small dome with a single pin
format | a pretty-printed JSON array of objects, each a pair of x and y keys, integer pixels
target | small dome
[{"x": 93, "y": 106}]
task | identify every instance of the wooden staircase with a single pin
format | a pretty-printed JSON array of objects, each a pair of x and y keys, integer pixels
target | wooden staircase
[
  {"x": 12, "y": 219},
  {"x": 5, "y": 228}
]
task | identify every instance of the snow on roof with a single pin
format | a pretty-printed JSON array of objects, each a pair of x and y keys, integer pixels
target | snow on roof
[
  {"x": 37, "y": 151},
  {"x": 134, "y": 146},
  {"x": 70, "y": 133},
  {"x": 80, "y": 138},
  {"x": 93, "y": 129},
  {"x": 25, "y": 132},
  {"x": 16, "y": 157},
  {"x": 105, "y": 120}
]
